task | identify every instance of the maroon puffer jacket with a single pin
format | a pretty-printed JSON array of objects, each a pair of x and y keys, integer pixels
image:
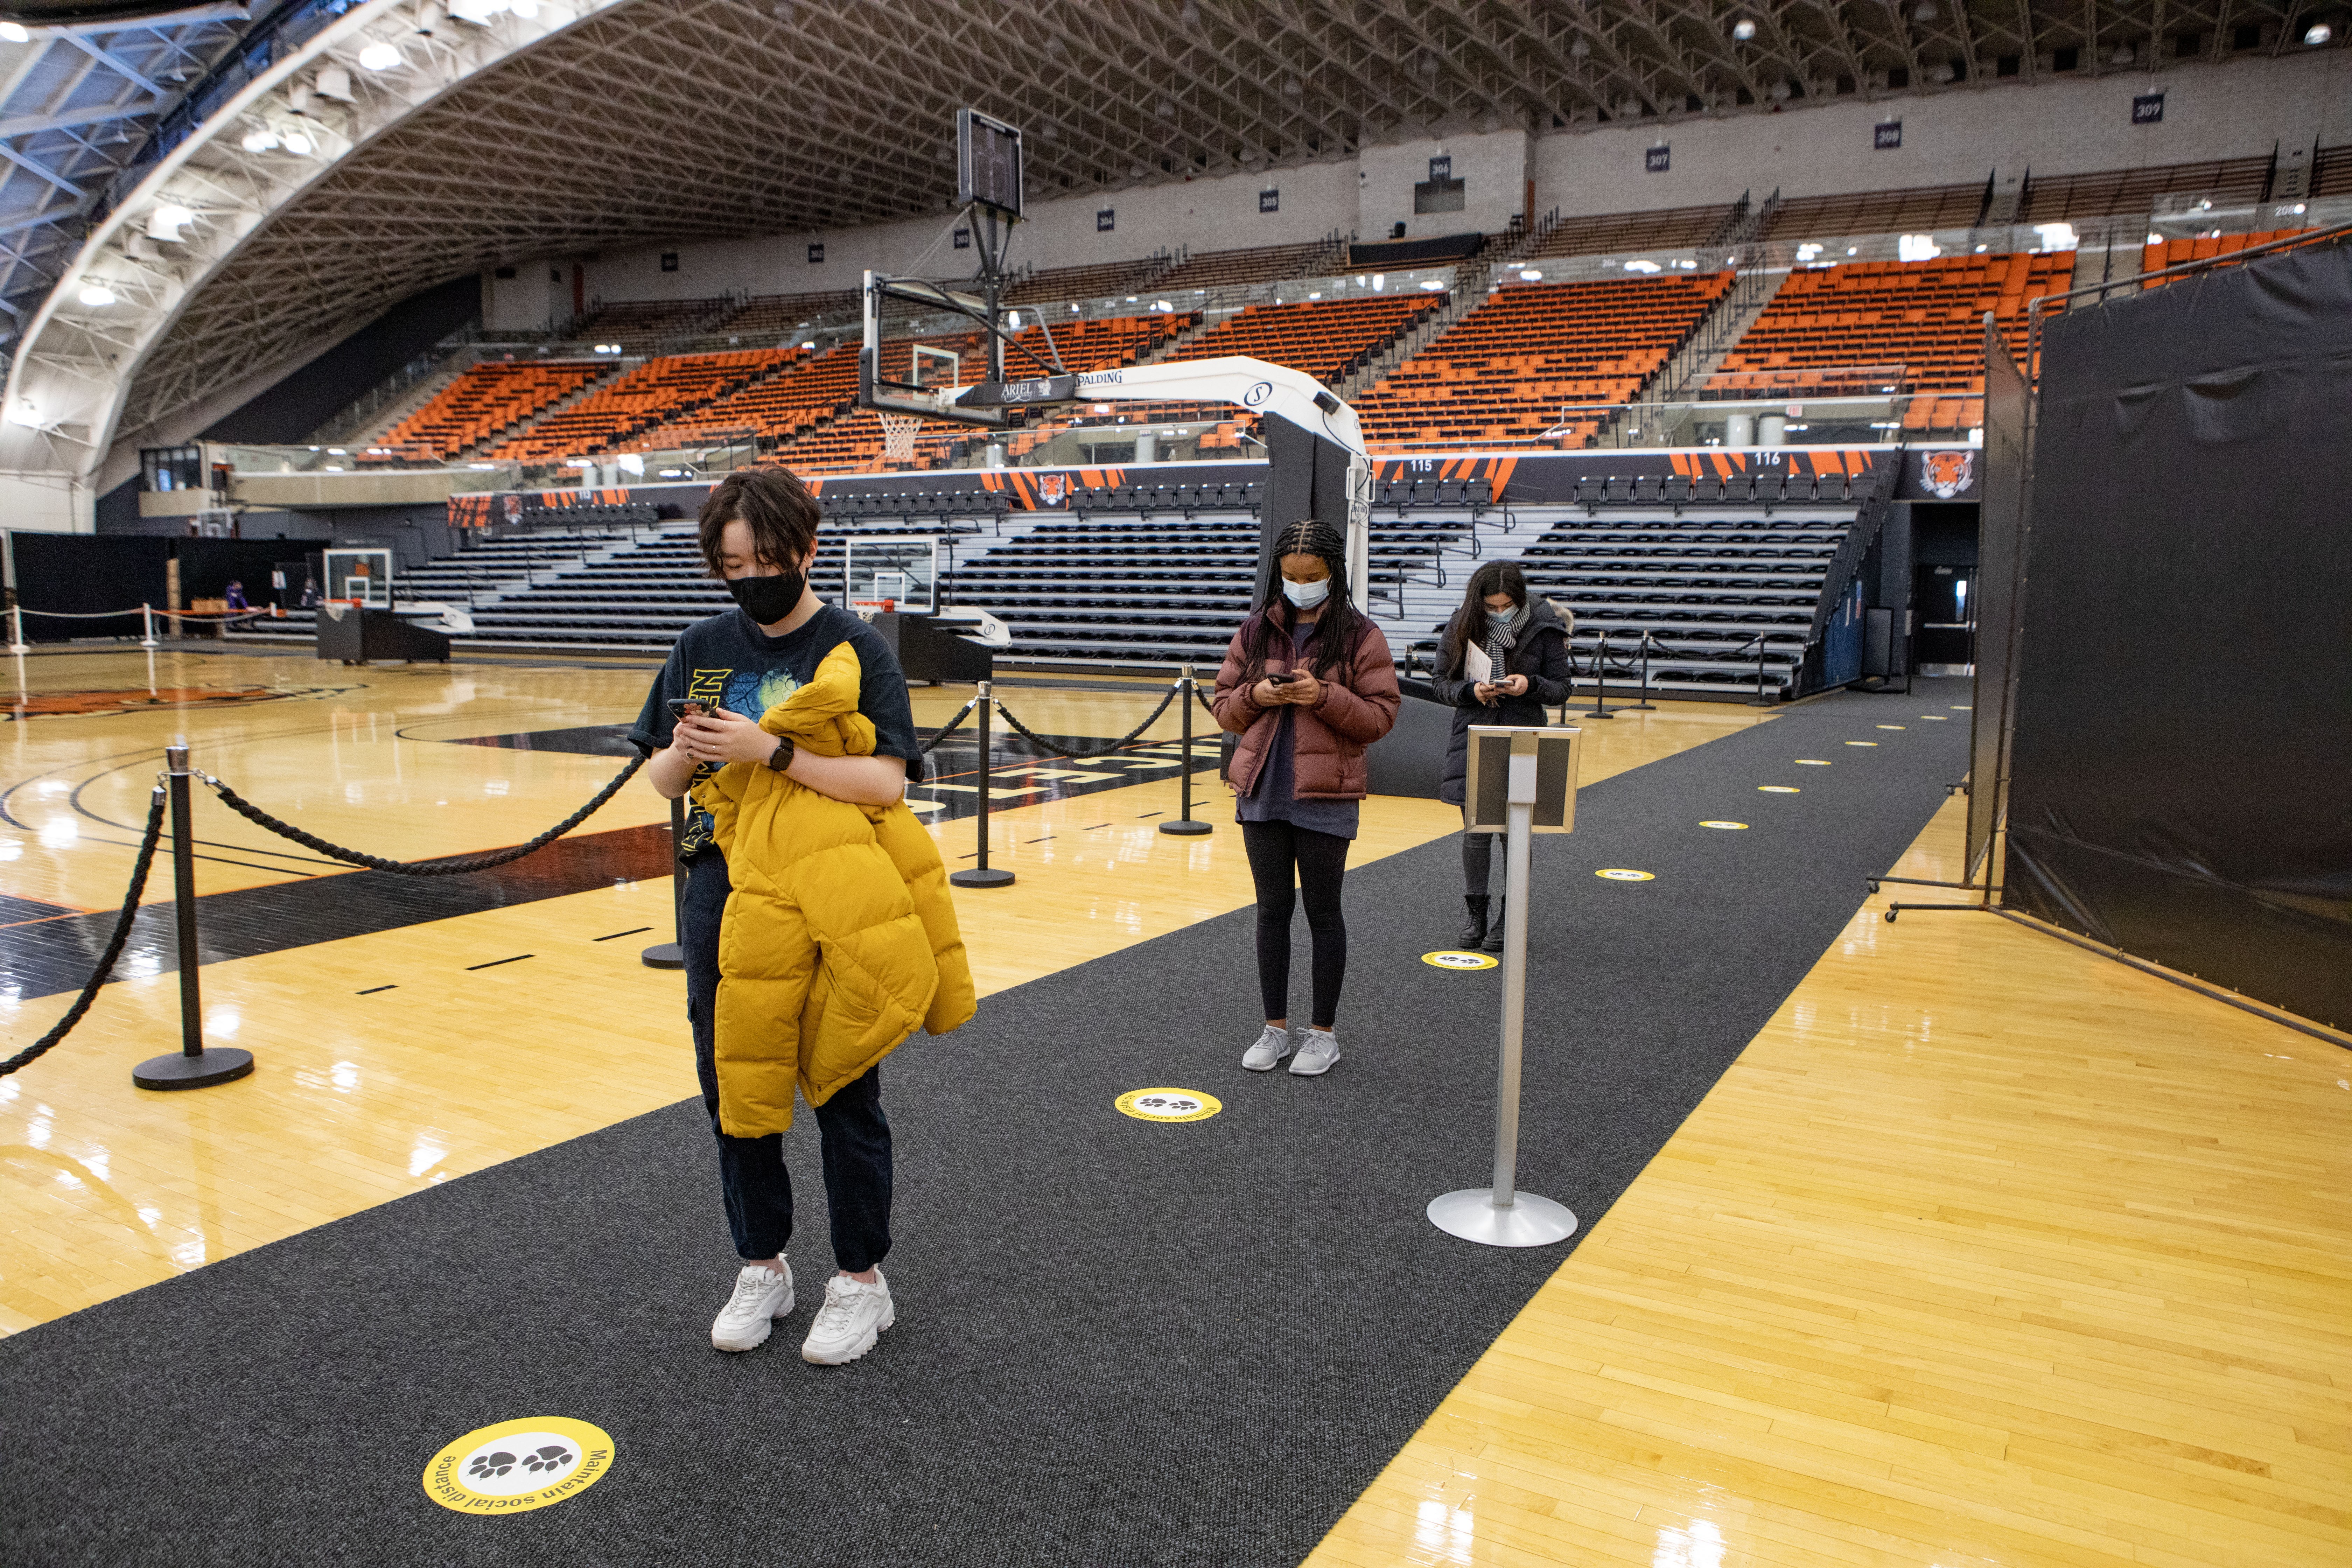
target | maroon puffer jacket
[{"x": 1358, "y": 706}]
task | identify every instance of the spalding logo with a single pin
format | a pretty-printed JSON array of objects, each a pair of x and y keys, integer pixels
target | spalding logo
[{"x": 1946, "y": 474}]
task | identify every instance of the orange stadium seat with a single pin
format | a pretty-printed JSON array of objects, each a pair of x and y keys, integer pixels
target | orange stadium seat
[
  {"x": 1503, "y": 371},
  {"x": 656, "y": 391},
  {"x": 1327, "y": 339},
  {"x": 488, "y": 402},
  {"x": 1925, "y": 316}
]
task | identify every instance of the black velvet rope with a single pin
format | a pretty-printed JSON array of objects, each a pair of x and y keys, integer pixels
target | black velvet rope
[
  {"x": 39, "y": 1047},
  {"x": 1087, "y": 756},
  {"x": 453, "y": 868},
  {"x": 951, "y": 727}
]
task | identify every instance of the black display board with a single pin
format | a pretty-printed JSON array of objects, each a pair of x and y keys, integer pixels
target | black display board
[
  {"x": 80, "y": 575},
  {"x": 2000, "y": 582},
  {"x": 2182, "y": 767}
]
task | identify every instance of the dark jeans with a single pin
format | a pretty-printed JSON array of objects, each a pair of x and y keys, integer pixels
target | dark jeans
[
  {"x": 1276, "y": 851},
  {"x": 851, "y": 1128}
]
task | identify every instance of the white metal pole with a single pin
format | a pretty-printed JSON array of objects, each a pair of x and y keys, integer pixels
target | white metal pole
[
  {"x": 16, "y": 643},
  {"x": 147, "y": 620},
  {"x": 1516, "y": 843}
]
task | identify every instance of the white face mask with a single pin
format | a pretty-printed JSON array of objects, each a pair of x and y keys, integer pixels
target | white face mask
[{"x": 1306, "y": 595}]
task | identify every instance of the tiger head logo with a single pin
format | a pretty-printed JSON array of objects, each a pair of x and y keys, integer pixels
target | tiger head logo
[
  {"x": 1946, "y": 474},
  {"x": 1053, "y": 489}
]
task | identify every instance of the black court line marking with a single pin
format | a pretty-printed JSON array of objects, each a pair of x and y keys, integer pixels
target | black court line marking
[
  {"x": 372, "y": 993},
  {"x": 631, "y": 931},
  {"x": 493, "y": 963},
  {"x": 1097, "y": 827},
  {"x": 1036, "y": 840},
  {"x": 1140, "y": 816}
]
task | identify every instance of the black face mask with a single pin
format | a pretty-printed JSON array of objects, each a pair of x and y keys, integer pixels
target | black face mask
[{"x": 768, "y": 600}]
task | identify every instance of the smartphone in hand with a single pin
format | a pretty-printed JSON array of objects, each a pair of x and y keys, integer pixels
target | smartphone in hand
[{"x": 679, "y": 707}]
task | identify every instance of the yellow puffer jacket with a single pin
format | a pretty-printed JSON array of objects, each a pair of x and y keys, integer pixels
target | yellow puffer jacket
[{"x": 840, "y": 937}]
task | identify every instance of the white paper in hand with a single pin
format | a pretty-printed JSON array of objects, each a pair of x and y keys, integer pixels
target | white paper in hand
[{"x": 1475, "y": 664}]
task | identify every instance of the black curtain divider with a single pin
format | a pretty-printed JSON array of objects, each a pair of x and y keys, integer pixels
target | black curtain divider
[{"x": 2181, "y": 784}]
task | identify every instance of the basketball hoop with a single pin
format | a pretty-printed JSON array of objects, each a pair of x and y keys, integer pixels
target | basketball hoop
[{"x": 899, "y": 433}]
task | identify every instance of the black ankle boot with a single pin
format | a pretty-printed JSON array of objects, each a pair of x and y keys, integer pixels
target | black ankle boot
[
  {"x": 1474, "y": 930},
  {"x": 1494, "y": 942}
]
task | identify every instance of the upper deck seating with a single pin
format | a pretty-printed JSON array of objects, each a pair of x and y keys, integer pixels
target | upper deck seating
[
  {"x": 638, "y": 325},
  {"x": 486, "y": 402},
  {"x": 1602, "y": 234},
  {"x": 1325, "y": 339},
  {"x": 1059, "y": 284},
  {"x": 1503, "y": 371},
  {"x": 1227, "y": 268},
  {"x": 658, "y": 391},
  {"x": 1925, "y": 316},
  {"x": 2225, "y": 181}
]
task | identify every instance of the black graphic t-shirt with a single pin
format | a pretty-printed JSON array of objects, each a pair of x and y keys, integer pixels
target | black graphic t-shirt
[{"x": 728, "y": 662}]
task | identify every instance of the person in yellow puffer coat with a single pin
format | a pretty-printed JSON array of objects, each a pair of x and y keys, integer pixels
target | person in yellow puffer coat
[
  {"x": 840, "y": 937},
  {"x": 815, "y": 919}
]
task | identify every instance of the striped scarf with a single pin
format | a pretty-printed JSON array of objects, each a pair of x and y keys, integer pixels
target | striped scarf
[{"x": 1504, "y": 635}]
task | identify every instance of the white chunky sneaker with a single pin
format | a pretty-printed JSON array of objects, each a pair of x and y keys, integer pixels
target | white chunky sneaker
[
  {"x": 1271, "y": 1047},
  {"x": 1316, "y": 1055},
  {"x": 852, "y": 1319},
  {"x": 761, "y": 1295}
]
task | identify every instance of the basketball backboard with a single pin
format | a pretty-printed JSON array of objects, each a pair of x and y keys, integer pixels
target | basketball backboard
[{"x": 918, "y": 337}]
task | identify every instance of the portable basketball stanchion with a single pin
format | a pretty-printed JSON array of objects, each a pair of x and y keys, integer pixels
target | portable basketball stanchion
[
  {"x": 1184, "y": 823},
  {"x": 1600, "y": 708},
  {"x": 147, "y": 621},
  {"x": 672, "y": 954},
  {"x": 981, "y": 874},
  {"x": 194, "y": 1067},
  {"x": 1501, "y": 1214}
]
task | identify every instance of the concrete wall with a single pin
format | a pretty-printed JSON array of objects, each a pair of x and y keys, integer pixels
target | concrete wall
[
  {"x": 2064, "y": 125},
  {"x": 1494, "y": 169},
  {"x": 46, "y": 503},
  {"x": 528, "y": 302}
]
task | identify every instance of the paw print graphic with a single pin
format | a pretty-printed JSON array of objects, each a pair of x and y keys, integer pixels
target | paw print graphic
[
  {"x": 550, "y": 1458},
  {"x": 486, "y": 1465}
]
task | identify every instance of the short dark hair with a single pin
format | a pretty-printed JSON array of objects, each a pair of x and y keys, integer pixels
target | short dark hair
[{"x": 773, "y": 503}]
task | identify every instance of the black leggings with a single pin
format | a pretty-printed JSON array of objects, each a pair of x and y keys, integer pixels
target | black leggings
[
  {"x": 1477, "y": 857},
  {"x": 1321, "y": 860}
]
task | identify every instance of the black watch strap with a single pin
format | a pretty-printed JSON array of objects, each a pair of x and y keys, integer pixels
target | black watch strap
[{"x": 781, "y": 757}]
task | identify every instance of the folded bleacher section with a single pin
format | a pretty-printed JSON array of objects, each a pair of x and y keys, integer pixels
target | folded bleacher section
[
  {"x": 1236, "y": 269},
  {"x": 643, "y": 326},
  {"x": 1601, "y": 234},
  {"x": 1503, "y": 372},
  {"x": 1925, "y": 316}
]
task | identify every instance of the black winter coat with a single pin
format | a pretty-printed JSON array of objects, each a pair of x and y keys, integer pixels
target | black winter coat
[{"x": 1540, "y": 655}]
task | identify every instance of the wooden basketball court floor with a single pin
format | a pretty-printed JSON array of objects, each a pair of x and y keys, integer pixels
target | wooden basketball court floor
[{"x": 1987, "y": 1251}]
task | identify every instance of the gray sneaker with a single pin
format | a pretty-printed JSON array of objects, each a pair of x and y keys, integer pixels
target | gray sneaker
[
  {"x": 1271, "y": 1047},
  {"x": 1316, "y": 1056}
]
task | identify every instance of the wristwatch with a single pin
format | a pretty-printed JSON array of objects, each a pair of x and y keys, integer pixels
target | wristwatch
[{"x": 781, "y": 757}]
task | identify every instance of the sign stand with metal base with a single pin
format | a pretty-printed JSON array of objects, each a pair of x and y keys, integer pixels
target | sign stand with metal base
[{"x": 1502, "y": 1216}]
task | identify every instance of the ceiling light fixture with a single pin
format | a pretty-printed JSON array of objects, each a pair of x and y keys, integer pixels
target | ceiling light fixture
[
  {"x": 300, "y": 144},
  {"x": 380, "y": 56},
  {"x": 261, "y": 139},
  {"x": 16, "y": 33},
  {"x": 1743, "y": 29},
  {"x": 2317, "y": 33},
  {"x": 94, "y": 292}
]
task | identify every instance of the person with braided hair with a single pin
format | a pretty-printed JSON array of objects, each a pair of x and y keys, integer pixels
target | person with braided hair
[
  {"x": 1308, "y": 684},
  {"x": 1504, "y": 660}
]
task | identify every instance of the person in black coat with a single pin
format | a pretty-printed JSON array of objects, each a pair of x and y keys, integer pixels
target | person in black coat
[{"x": 1525, "y": 644}]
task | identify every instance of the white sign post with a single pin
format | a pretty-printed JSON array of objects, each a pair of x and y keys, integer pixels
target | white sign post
[{"x": 1521, "y": 782}]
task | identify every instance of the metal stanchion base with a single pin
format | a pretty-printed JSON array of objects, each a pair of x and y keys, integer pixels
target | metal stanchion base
[
  {"x": 994, "y": 877},
  {"x": 214, "y": 1064},
  {"x": 663, "y": 955},
  {"x": 1188, "y": 825},
  {"x": 1530, "y": 1221}
]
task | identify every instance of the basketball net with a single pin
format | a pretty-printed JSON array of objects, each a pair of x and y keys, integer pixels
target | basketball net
[{"x": 899, "y": 433}]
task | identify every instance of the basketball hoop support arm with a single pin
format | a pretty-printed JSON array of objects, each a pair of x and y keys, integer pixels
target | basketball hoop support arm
[{"x": 1271, "y": 390}]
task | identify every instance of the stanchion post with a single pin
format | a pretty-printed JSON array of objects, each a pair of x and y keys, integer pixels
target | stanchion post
[
  {"x": 981, "y": 874},
  {"x": 194, "y": 1067},
  {"x": 1760, "y": 699},
  {"x": 147, "y": 623},
  {"x": 1644, "y": 703},
  {"x": 1502, "y": 1216},
  {"x": 16, "y": 643},
  {"x": 672, "y": 954},
  {"x": 1184, "y": 823},
  {"x": 1600, "y": 708}
]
